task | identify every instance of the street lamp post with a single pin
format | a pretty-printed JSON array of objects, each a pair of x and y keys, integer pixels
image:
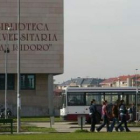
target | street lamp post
[
  {"x": 18, "y": 72},
  {"x": 6, "y": 51},
  {"x": 136, "y": 95}
]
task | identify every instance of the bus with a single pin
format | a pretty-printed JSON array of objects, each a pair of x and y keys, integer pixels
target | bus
[{"x": 76, "y": 100}]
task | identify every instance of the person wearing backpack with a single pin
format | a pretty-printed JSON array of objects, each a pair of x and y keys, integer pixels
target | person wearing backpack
[
  {"x": 123, "y": 112},
  {"x": 93, "y": 110}
]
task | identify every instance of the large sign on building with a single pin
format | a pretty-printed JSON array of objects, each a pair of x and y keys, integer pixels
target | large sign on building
[{"x": 41, "y": 35}]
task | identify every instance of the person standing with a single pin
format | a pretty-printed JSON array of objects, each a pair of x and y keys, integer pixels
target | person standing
[
  {"x": 93, "y": 110},
  {"x": 131, "y": 111},
  {"x": 123, "y": 112},
  {"x": 115, "y": 115},
  {"x": 105, "y": 117}
]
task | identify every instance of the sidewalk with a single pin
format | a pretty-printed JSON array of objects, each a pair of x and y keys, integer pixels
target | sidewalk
[
  {"x": 62, "y": 127},
  {"x": 71, "y": 127}
]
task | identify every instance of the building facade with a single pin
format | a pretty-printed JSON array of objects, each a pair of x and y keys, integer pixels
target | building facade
[
  {"x": 41, "y": 52},
  {"x": 80, "y": 82},
  {"x": 122, "y": 81}
]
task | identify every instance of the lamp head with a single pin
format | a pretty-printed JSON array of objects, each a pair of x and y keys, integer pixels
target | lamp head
[{"x": 9, "y": 28}]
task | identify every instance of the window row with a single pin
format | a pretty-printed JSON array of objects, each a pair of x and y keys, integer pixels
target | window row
[
  {"x": 79, "y": 99},
  {"x": 27, "y": 82}
]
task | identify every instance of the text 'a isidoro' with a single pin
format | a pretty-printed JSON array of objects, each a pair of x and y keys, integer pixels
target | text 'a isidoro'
[{"x": 28, "y": 47}]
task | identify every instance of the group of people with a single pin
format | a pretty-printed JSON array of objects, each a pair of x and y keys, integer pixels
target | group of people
[{"x": 118, "y": 110}]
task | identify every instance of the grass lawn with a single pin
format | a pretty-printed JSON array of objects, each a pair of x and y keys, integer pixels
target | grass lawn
[
  {"x": 38, "y": 119},
  {"x": 24, "y": 128},
  {"x": 75, "y": 136},
  {"x": 56, "y": 119}
]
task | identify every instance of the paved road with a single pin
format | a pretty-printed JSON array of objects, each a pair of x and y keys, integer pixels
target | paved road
[{"x": 71, "y": 127}]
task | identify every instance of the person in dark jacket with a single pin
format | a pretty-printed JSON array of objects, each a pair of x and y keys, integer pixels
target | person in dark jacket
[
  {"x": 123, "y": 112},
  {"x": 93, "y": 110},
  {"x": 115, "y": 115}
]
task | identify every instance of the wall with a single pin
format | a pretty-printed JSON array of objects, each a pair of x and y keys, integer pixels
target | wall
[
  {"x": 42, "y": 41},
  {"x": 33, "y": 102},
  {"x": 41, "y": 35}
]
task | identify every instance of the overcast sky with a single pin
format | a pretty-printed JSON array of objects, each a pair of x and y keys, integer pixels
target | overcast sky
[{"x": 101, "y": 38}]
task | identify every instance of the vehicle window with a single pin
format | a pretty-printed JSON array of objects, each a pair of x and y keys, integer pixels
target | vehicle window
[
  {"x": 63, "y": 101},
  {"x": 131, "y": 99},
  {"x": 90, "y": 96},
  {"x": 111, "y": 97},
  {"x": 76, "y": 99}
]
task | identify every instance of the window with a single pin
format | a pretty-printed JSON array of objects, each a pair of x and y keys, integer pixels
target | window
[
  {"x": 132, "y": 98},
  {"x": 76, "y": 99},
  {"x": 138, "y": 99},
  {"x": 10, "y": 81},
  {"x": 111, "y": 97},
  {"x": 90, "y": 96},
  {"x": 2, "y": 81},
  {"x": 63, "y": 101},
  {"x": 28, "y": 81}
]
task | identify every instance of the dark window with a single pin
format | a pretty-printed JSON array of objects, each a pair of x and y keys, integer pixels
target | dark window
[
  {"x": 2, "y": 81},
  {"x": 28, "y": 81},
  {"x": 10, "y": 81},
  {"x": 76, "y": 99}
]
